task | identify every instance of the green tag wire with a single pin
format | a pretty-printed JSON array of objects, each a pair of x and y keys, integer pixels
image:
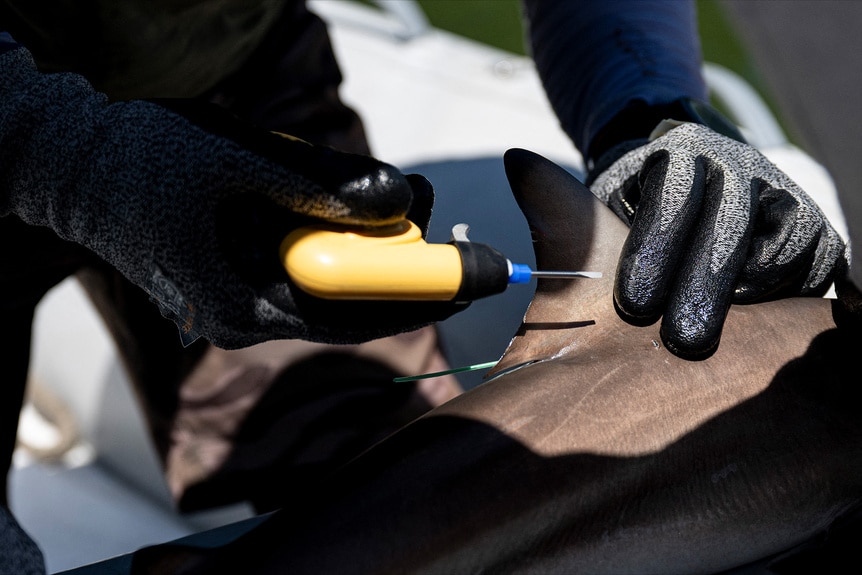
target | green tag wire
[{"x": 487, "y": 365}]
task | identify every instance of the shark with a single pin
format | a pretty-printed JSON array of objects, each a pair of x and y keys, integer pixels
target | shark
[{"x": 590, "y": 448}]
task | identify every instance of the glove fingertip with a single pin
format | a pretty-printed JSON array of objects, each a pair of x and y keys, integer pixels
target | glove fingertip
[
  {"x": 692, "y": 324},
  {"x": 689, "y": 345},
  {"x": 634, "y": 313},
  {"x": 640, "y": 298},
  {"x": 380, "y": 195}
]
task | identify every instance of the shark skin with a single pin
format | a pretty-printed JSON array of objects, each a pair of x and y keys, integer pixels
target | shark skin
[{"x": 591, "y": 448}]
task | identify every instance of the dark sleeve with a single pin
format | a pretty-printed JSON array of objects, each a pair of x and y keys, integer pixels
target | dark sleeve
[{"x": 597, "y": 57}]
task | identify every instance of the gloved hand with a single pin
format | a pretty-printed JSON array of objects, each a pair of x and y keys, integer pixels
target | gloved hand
[
  {"x": 713, "y": 222},
  {"x": 191, "y": 204}
]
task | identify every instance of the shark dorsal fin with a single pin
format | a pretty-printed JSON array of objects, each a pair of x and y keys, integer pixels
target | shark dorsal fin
[{"x": 571, "y": 230}]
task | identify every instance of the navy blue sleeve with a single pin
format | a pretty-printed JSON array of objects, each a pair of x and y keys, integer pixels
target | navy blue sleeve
[
  {"x": 7, "y": 42},
  {"x": 597, "y": 57}
]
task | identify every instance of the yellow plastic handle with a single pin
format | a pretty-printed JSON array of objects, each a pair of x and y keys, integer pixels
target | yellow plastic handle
[{"x": 391, "y": 264}]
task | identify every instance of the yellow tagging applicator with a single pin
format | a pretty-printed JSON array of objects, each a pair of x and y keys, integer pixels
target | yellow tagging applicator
[{"x": 396, "y": 263}]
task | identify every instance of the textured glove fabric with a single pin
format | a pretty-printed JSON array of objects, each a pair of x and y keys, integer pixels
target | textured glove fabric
[
  {"x": 181, "y": 199},
  {"x": 713, "y": 222}
]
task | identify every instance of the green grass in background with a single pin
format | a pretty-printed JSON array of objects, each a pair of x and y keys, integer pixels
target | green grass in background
[
  {"x": 498, "y": 23},
  {"x": 493, "y": 22}
]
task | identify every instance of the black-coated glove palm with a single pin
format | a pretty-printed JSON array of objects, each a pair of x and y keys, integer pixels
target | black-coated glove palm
[
  {"x": 187, "y": 203},
  {"x": 713, "y": 222}
]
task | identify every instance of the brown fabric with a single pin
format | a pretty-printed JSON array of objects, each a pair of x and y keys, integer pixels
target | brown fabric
[{"x": 269, "y": 420}]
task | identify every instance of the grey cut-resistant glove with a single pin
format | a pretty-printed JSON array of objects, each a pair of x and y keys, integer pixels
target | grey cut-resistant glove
[
  {"x": 713, "y": 222},
  {"x": 191, "y": 204}
]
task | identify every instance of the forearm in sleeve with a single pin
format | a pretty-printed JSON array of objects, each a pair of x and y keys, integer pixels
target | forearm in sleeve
[{"x": 597, "y": 57}]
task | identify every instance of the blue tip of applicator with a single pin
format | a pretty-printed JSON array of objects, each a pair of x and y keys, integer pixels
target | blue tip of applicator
[{"x": 521, "y": 274}]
